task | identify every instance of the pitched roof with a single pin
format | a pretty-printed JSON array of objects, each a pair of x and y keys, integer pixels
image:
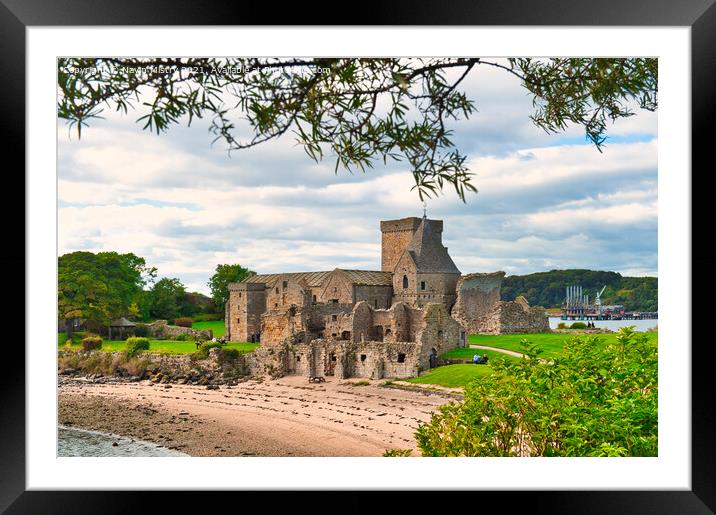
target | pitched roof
[
  {"x": 312, "y": 278},
  {"x": 427, "y": 250},
  {"x": 122, "y": 322},
  {"x": 368, "y": 277}
]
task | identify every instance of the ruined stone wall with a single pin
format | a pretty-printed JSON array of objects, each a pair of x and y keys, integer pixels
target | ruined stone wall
[
  {"x": 515, "y": 317},
  {"x": 396, "y": 236},
  {"x": 438, "y": 331},
  {"x": 161, "y": 329},
  {"x": 405, "y": 268},
  {"x": 336, "y": 287},
  {"x": 477, "y": 296},
  {"x": 287, "y": 291},
  {"x": 379, "y": 297},
  {"x": 280, "y": 325}
]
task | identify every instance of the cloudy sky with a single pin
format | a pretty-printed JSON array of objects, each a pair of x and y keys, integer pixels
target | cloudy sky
[{"x": 544, "y": 201}]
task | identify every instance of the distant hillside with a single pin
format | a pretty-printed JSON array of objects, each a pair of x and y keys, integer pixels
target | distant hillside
[{"x": 547, "y": 289}]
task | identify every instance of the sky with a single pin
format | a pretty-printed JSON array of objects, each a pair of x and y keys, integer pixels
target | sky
[{"x": 544, "y": 201}]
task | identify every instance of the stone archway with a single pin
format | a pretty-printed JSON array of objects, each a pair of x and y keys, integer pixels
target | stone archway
[{"x": 433, "y": 357}]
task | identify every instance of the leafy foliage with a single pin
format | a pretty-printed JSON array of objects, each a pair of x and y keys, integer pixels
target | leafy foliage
[
  {"x": 166, "y": 298},
  {"x": 594, "y": 400},
  {"x": 219, "y": 282},
  {"x": 91, "y": 342},
  {"x": 100, "y": 287},
  {"x": 360, "y": 111},
  {"x": 136, "y": 344},
  {"x": 547, "y": 288}
]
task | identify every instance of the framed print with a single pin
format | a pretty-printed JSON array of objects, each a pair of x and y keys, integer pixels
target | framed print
[{"x": 267, "y": 287}]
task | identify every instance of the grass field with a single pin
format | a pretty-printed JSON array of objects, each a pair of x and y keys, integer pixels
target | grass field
[
  {"x": 216, "y": 326},
  {"x": 469, "y": 353},
  {"x": 551, "y": 343},
  {"x": 452, "y": 375},
  {"x": 156, "y": 346}
]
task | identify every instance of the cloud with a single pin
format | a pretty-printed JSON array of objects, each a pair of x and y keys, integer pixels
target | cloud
[{"x": 544, "y": 201}]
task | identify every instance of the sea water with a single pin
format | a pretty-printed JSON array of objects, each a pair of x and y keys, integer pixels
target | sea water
[
  {"x": 82, "y": 442},
  {"x": 614, "y": 325}
]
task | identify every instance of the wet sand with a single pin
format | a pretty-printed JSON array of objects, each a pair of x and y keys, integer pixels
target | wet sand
[{"x": 284, "y": 417}]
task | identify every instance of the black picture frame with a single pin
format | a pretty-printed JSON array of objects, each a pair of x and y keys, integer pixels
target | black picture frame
[{"x": 699, "y": 15}]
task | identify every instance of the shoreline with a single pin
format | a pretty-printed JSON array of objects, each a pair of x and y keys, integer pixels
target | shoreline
[{"x": 283, "y": 417}]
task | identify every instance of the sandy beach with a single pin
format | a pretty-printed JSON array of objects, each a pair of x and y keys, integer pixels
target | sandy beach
[{"x": 284, "y": 417}]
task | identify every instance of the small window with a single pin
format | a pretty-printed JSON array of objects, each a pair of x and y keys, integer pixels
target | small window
[
  {"x": 405, "y": 281},
  {"x": 334, "y": 317},
  {"x": 276, "y": 289},
  {"x": 375, "y": 303},
  {"x": 238, "y": 320},
  {"x": 401, "y": 357},
  {"x": 422, "y": 285},
  {"x": 275, "y": 304},
  {"x": 239, "y": 294},
  {"x": 298, "y": 359},
  {"x": 362, "y": 357},
  {"x": 285, "y": 284},
  {"x": 335, "y": 290},
  {"x": 334, "y": 335},
  {"x": 314, "y": 298},
  {"x": 440, "y": 334},
  {"x": 334, "y": 301},
  {"x": 333, "y": 357}
]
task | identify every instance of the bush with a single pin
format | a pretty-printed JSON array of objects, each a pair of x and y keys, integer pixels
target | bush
[
  {"x": 203, "y": 351},
  {"x": 136, "y": 344},
  {"x": 141, "y": 330},
  {"x": 183, "y": 337},
  {"x": 183, "y": 322},
  {"x": 397, "y": 453},
  {"x": 92, "y": 342},
  {"x": 578, "y": 325},
  {"x": 561, "y": 325}
]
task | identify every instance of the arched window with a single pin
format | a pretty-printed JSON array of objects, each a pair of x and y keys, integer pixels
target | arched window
[{"x": 405, "y": 281}]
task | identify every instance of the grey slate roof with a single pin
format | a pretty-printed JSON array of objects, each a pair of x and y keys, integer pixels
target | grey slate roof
[
  {"x": 122, "y": 322},
  {"x": 315, "y": 279},
  {"x": 428, "y": 252}
]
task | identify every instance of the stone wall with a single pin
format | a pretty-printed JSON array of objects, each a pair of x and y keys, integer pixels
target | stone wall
[
  {"x": 161, "y": 329},
  {"x": 247, "y": 302},
  {"x": 477, "y": 296},
  {"x": 515, "y": 317},
  {"x": 378, "y": 296}
]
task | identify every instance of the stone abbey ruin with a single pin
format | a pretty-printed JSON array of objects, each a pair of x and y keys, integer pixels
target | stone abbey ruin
[{"x": 359, "y": 323}]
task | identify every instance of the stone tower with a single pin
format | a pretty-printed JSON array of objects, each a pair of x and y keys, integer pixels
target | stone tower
[{"x": 247, "y": 302}]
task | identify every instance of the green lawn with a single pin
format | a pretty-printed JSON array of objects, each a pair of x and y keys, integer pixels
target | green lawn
[
  {"x": 452, "y": 375},
  {"x": 217, "y": 327},
  {"x": 156, "y": 346},
  {"x": 551, "y": 343}
]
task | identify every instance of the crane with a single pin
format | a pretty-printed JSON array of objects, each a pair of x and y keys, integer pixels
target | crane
[{"x": 598, "y": 301}]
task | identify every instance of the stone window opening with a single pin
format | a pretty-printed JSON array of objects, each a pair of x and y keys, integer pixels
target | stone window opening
[
  {"x": 440, "y": 334},
  {"x": 334, "y": 334},
  {"x": 333, "y": 357},
  {"x": 346, "y": 335},
  {"x": 405, "y": 281},
  {"x": 285, "y": 285},
  {"x": 275, "y": 304},
  {"x": 298, "y": 359},
  {"x": 422, "y": 285},
  {"x": 239, "y": 294},
  {"x": 276, "y": 289},
  {"x": 362, "y": 357},
  {"x": 238, "y": 320},
  {"x": 375, "y": 303},
  {"x": 314, "y": 298},
  {"x": 388, "y": 332},
  {"x": 334, "y": 317},
  {"x": 401, "y": 357}
]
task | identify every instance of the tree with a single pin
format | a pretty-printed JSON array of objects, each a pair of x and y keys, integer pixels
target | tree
[
  {"x": 100, "y": 287},
  {"x": 361, "y": 111},
  {"x": 166, "y": 299},
  {"x": 219, "y": 282},
  {"x": 594, "y": 400}
]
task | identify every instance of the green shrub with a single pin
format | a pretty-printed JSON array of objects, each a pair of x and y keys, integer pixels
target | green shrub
[
  {"x": 203, "y": 351},
  {"x": 561, "y": 325},
  {"x": 136, "y": 344},
  {"x": 228, "y": 355},
  {"x": 400, "y": 453},
  {"x": 92, "y": 342},
  {"x": 578, "y": 325},
  {"x": 182, "y": 337},
  {"x": 141, "y": 330},
  {"x": 183, "y": 322}
]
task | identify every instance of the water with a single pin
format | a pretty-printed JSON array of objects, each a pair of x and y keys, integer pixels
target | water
[
  {"x": 614, "y": 325},
  {"x": 81, "y": 442}
]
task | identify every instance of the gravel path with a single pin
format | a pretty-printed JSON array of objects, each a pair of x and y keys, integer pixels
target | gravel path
[{"x": 503, "y": 351}]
